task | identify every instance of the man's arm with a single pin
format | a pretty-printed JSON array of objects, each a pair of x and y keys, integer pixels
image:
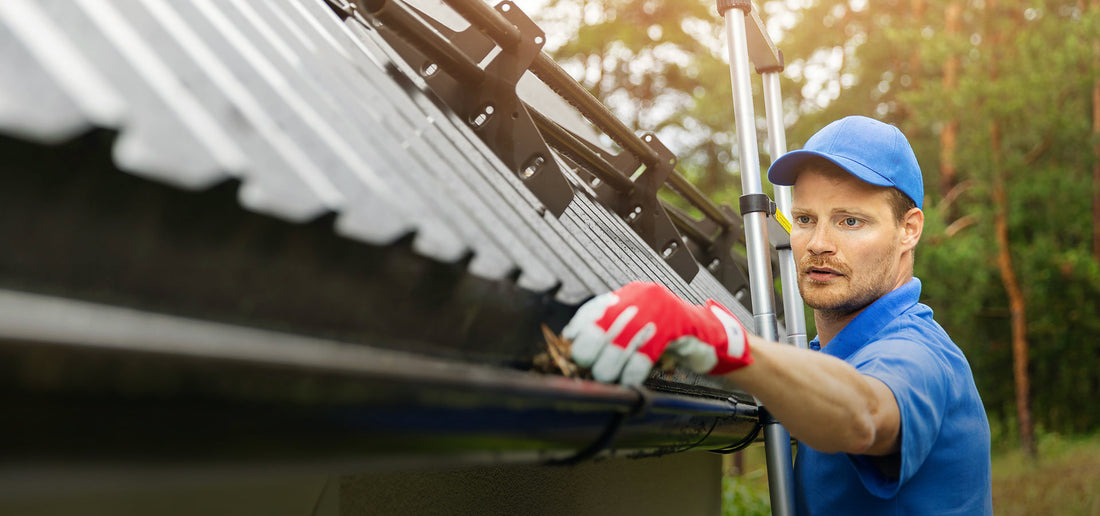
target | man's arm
[{"x": 822, "y": 401}]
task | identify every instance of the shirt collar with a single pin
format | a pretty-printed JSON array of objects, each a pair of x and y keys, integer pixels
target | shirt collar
[{"x": 871, "y": 321}]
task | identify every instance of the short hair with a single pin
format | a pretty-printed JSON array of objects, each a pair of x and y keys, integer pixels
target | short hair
[{"x": 900, "y": 203}]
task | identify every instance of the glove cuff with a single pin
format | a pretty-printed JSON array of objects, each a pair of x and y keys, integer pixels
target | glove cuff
[{"x": 729, "y": 337}]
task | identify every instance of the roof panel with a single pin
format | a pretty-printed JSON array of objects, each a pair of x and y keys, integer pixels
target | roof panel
[
  {"x": 56, "y": 93},
  {"x": 404, "y": 165},
  {"x": 334, "y": 166},
  {"x": 547, "y": 244},
  {"x": 291, "y": 185},
  {"x": 167, "y": 134},
  {"x": 312, "y": 115}
]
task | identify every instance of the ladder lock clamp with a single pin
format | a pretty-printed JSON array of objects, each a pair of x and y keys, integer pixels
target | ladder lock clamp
[{"x": 751, "y": 203}]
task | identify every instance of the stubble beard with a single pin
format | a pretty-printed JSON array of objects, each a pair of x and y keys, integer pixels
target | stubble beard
[{"x": 833, "y": 301}]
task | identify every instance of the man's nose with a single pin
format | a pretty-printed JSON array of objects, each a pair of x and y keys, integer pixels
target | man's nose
[{"x": 821, "y": 241}]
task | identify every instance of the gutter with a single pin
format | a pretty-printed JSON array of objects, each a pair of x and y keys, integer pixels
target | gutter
[{"x": 90, "y": 385}]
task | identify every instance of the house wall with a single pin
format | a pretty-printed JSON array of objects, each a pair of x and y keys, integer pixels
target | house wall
[
  {"x": 680, "y": 484},
  {"x": 685, "y": 484}
]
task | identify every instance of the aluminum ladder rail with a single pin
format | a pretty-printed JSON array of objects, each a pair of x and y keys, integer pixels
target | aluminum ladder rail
[
  {"x": 788, "y": 272},
  {"x": 747, "y": 40}
]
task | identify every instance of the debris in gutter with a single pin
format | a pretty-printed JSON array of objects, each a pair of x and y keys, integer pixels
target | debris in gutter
[{"x": 555, "y": 360}]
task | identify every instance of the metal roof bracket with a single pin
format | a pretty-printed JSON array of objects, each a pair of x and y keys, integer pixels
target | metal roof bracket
[
  {"x": 485, "y": 98},
  {"x": 643, "y": 211},
  {"x": 713, "y": 245}
]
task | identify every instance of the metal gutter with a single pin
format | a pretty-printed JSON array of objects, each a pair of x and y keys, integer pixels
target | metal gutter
[{"x": 137, "y": 386}]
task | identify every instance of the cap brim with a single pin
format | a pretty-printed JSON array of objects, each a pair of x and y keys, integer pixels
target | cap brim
[{"x": 785, "y": 169}]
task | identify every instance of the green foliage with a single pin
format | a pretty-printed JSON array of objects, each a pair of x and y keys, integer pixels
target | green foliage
[
  {"x": 1035, "y": 85},
  {"x": 742, "y": 496}
]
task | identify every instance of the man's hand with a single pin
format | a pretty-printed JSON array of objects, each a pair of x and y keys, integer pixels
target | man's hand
[{"x": 621, "y": 334}]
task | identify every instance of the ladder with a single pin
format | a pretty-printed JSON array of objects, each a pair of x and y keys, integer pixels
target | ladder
[{"x": 747, "y": 41}]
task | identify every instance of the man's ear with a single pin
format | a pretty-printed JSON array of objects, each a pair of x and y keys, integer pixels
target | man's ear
[{"x": 912, "y": 225}]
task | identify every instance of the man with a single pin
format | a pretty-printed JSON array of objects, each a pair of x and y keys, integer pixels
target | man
[{"x": 884, "y": 406}]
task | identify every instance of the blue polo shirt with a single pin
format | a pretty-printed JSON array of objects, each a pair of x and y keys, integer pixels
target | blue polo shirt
[{"x": 944, "y": 458}]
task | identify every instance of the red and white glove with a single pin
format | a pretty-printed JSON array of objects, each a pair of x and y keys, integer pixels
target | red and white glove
[{"x": 621, "y": 334}]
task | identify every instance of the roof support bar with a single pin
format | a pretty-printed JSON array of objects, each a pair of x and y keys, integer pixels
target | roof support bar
[{"x": 485, "y": 97}]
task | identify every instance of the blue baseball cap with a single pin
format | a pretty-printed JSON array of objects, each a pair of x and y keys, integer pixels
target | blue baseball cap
[{"x": 873, "y": 151}]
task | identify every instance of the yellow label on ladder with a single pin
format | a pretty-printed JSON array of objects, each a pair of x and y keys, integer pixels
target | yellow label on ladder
[{"x": 782, "y": 219}]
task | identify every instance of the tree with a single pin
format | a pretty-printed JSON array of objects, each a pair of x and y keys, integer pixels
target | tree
[{"x": 1020, "y": 103}]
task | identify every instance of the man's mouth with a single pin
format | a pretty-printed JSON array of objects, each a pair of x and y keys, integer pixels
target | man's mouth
[{"x": 822, "y": 274}]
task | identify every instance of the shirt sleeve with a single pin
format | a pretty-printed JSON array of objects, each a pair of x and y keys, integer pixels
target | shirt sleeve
[{"x": 921, "y": 388}]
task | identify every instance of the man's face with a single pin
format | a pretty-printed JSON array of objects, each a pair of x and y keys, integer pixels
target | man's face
[{"x": 846, "y": 240}]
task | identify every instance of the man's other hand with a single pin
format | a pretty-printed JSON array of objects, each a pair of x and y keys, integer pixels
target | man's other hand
[{"x": 621, "y": 334}]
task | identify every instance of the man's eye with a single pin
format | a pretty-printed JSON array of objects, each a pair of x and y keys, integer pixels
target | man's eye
[
  {"x": 802, "y": 219},
  {"x": 851, "y": 222}
]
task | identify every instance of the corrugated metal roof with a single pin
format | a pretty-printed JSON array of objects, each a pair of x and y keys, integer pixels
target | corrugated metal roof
[
  {"x": 312, "y": 115},
  {"x": 256, "y": 216}
]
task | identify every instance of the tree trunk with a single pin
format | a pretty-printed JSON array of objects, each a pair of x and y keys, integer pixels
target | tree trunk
[
  {"x": 1017, "y": 310},
  {"x": 949, "y": 136},
  {"x": 1096, "y": 155},
  {"x": 916, "y": 7},
  {"x": 1016, "y": 302}
]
